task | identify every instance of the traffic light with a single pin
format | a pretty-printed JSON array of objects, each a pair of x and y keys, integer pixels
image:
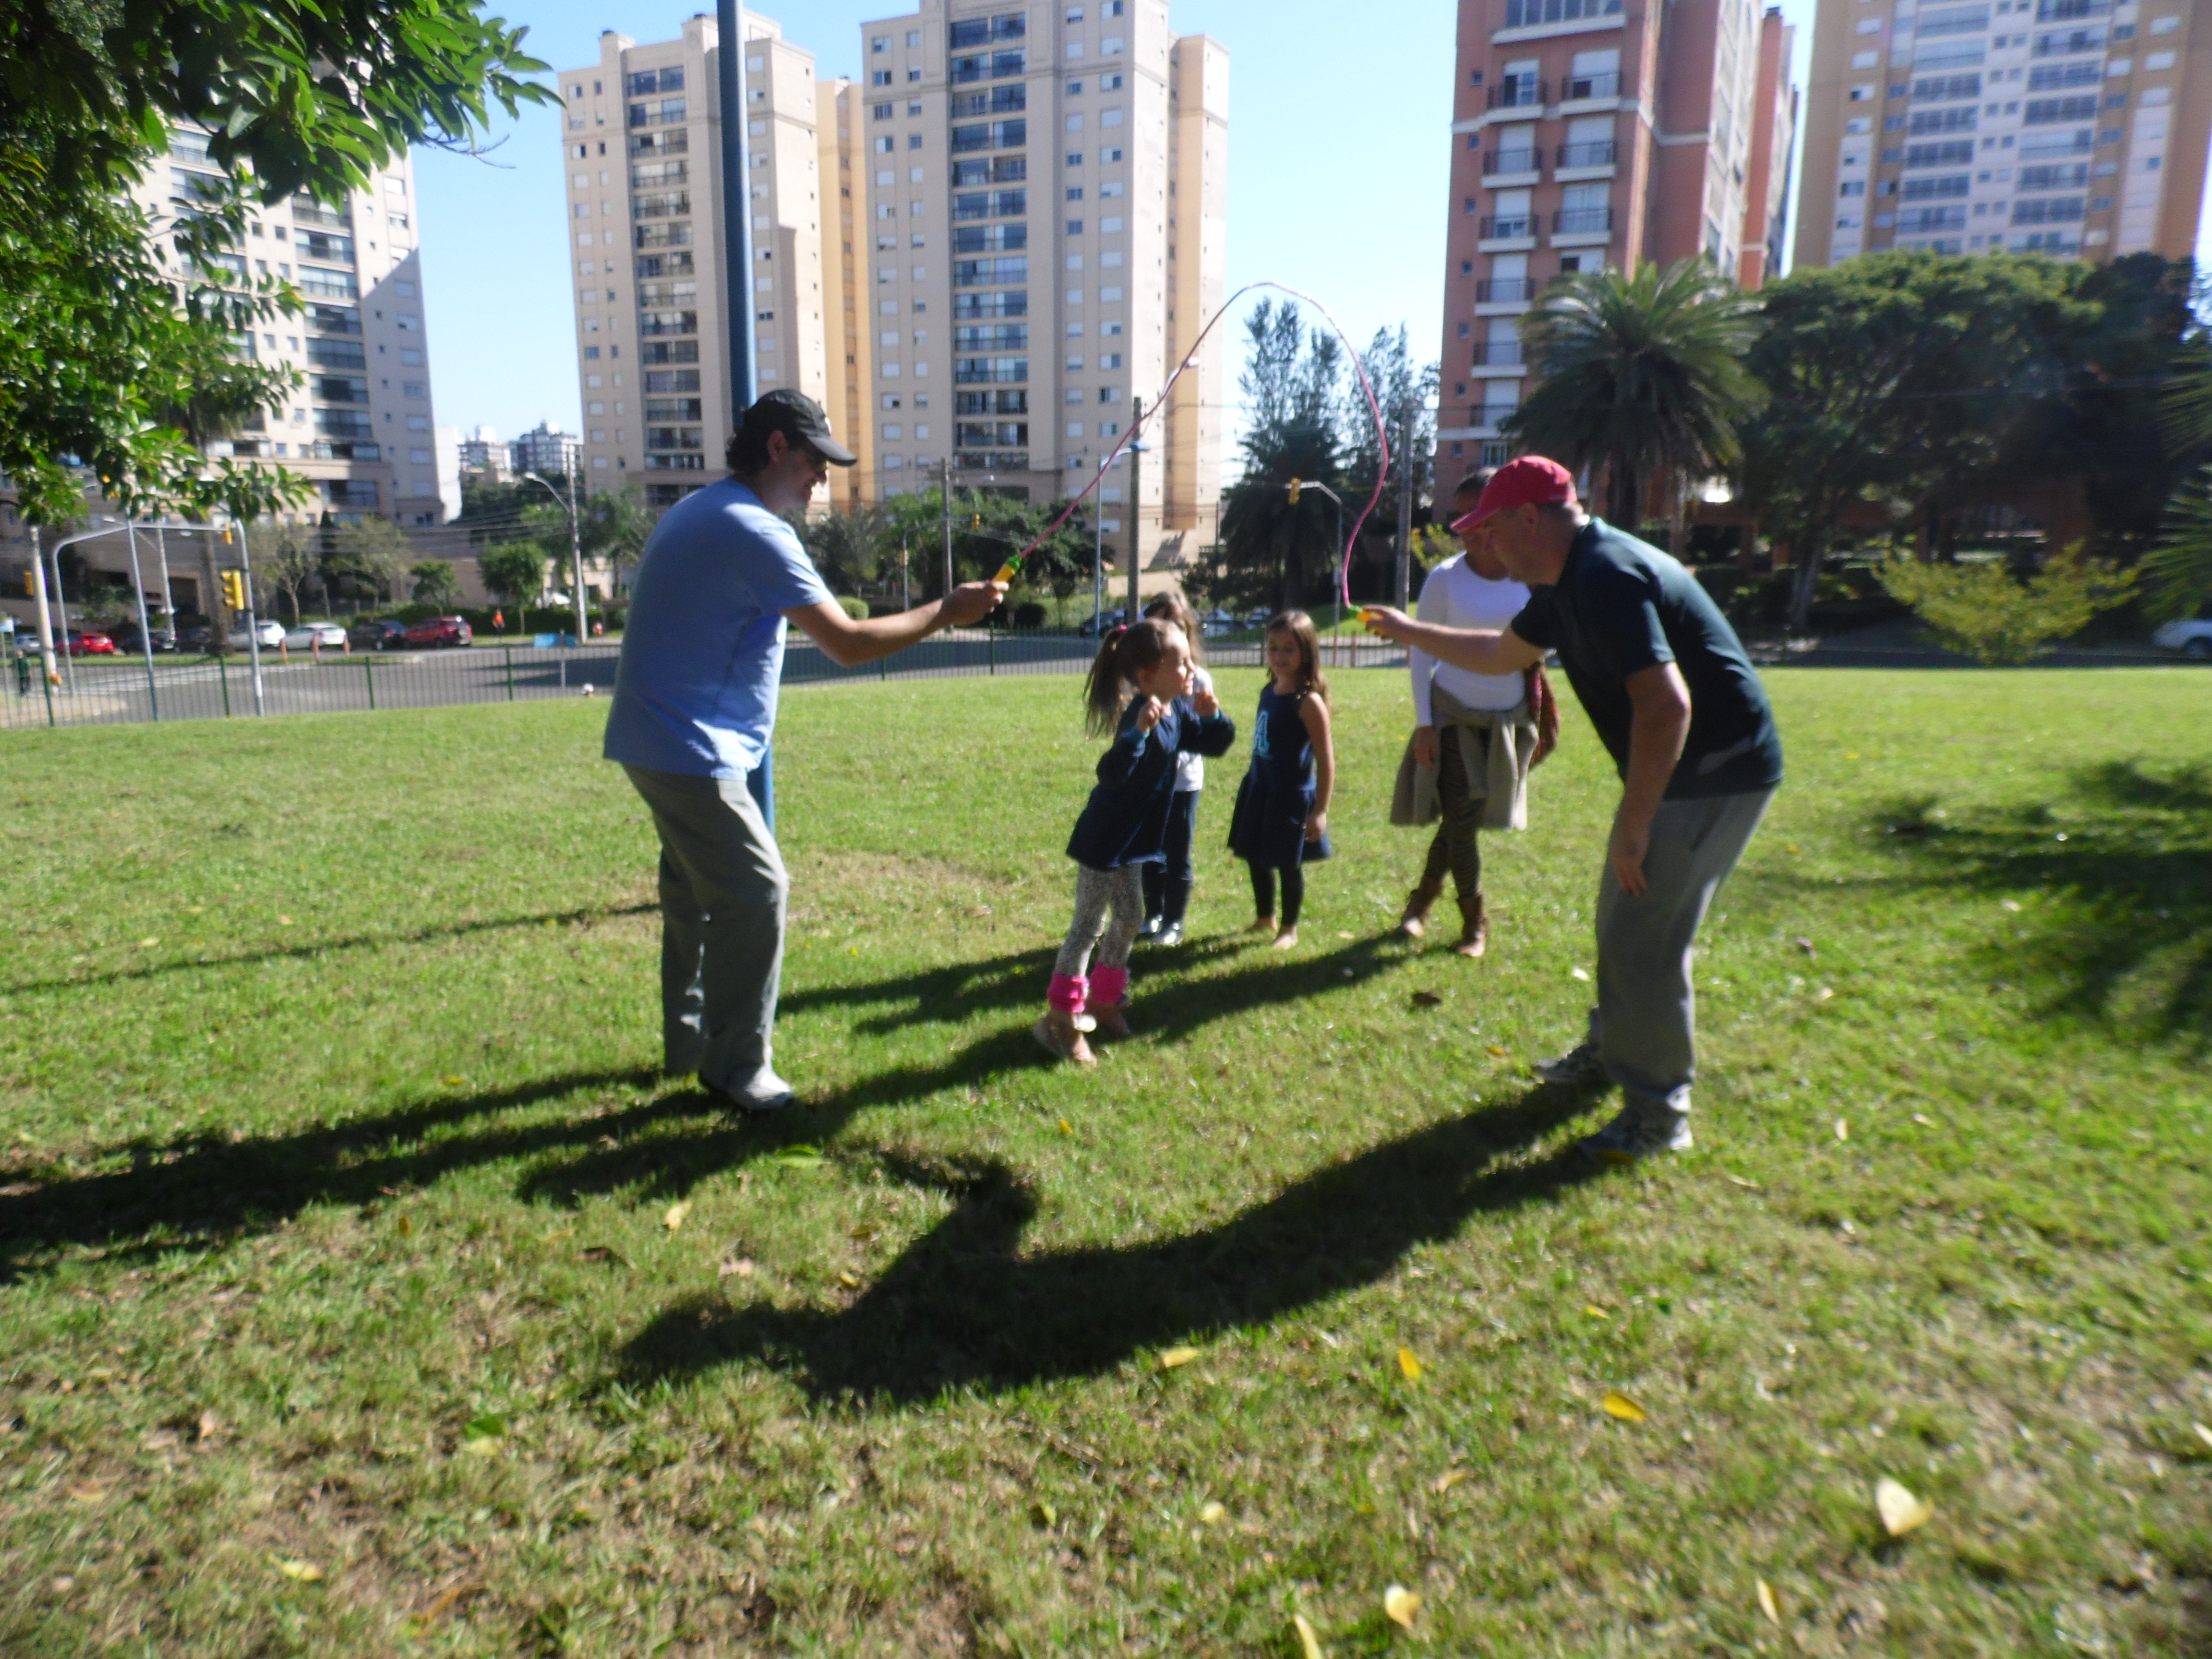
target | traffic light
[
  {"x": 233, "y": 589},
  {"x": 30, "y": 586},
  {"x": 975, "y": 521},
  {"x": 1294, "y": 491}
]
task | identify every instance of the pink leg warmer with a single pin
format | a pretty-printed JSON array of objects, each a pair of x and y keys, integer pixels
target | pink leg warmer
[
  {"x": 1108, "y": 986},
  {"x": 1069, "y": 991}
]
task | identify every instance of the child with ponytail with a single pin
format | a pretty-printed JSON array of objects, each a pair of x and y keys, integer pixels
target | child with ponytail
[
  {"x": 1280, "y": 824},
  {"x": 1168, "y": 884},
  {"x": 1124, "y": 825}
]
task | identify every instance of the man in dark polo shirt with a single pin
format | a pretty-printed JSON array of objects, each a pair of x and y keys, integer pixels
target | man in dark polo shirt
[{"x": 1665, "y": 681}]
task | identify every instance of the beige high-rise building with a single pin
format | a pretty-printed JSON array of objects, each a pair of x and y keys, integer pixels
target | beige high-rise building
[
  {"x": 359, "y": 428},
  {"x": 1040, "y": 230},
  {"x": 2075, "y": 128},
  {"x": 843, "y": 304},
  {"x": 642, "y": 143}
]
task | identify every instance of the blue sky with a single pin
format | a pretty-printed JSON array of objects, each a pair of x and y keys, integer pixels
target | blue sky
[{"x": 1358, "y": 221}]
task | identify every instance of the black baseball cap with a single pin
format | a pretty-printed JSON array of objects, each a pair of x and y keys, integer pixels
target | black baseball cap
[{"x": 798, "y": 416}]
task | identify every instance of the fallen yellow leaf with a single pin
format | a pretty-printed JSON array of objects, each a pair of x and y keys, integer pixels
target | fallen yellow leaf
[
  {"x": 1843, "y": 1130},
  {"x": 403, "y": 1226},
  {"x": 1497, "y": 1052},
  {"x": 453, "y": 1082},
  {"x": 1308, "y": 1644},
  {"x": 848, "y": 1281},
  {"x": 1209, "y": 1513},
  {"x": 1400, "y": 1605},
  {"x": 1749, "y": 1186},
  {"x": 1444, "y": 1482},
  {"x": 1410, "y": 1363},
  {"x": 1901, "y": 1512},
  {"x": 1594, "y": 1312},
  {"x": 1767, "y": 1604},
  {"x": 306, "y": 1572},
  {"x": 676, "y": 1212},
  {"x": 1618, "y": 1404},
  {"x": 1171, "y": 1357},
  {"x": 148, "y": 943},
  {"x": 1066, "y": 1127}
]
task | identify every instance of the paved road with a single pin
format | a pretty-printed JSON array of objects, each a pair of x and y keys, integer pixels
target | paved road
[{"x": 104, "y": 692}]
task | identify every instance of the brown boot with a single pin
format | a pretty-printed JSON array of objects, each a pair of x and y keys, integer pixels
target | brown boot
[
  {"x": 1473, "y": 927},
  {"x": 1415, "y": 921}
]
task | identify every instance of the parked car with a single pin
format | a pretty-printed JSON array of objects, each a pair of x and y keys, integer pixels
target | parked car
[
  {"x": 386, "y": 635},
  {"x": 269, "y": 635},
  {"x": 1216, "y": 621},
  {"x": 83, "y": 642},
  {"x": 126, "y": 638},
  {"x": 1091, "y": 626},
  {"x": 441, "y": 631},
  {"x": 201, "y": 640},
  {"x": 309, "y": 634},
  {"x": 2191, "y": 637}
]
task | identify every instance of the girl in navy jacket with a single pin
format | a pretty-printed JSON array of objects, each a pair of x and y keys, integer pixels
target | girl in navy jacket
[{"x": 1124, "y": 825}]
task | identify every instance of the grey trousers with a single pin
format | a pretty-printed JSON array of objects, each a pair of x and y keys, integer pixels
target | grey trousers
[
  {"x": 1645, "y": 1024},
  {"x": 722, "y": 896}
]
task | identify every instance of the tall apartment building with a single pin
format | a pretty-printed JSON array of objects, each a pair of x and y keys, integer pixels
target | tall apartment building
[
  {"x": 641, "y": 139},
  {"x": 547, "y": 450},
  {"x": 1040, "y": 234},
  {"x": 844, "y": 307},
  {"x": 2075, "y": 128},
  {"x": 1598, "y": 134},
  {"x": 359, "y": 428}
]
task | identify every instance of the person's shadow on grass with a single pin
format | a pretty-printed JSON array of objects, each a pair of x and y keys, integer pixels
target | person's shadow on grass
[{"x": 964, "y": 1308}]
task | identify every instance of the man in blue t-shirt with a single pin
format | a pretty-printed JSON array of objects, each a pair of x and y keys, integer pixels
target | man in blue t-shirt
[
  {"x": 694, "y": 710},
  {"x": 1676, "y": 702}
]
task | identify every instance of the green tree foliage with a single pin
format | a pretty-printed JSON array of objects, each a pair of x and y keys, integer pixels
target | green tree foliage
[
  {"x": 118, "y": 348},
  {"x": 1983, "y": 612},
  {"x": 287, "y": 562},
  {"x": 1271, "y": 548},
  {"x": 1398, "y": 381},
  {"x": 1637, "y": 375},
  {"x": 616, "y": 526},
  {"x": 365, "y": 559},
  {"x": 434, "y": 583},
  {"x": 1918, "y": 382},
  {"x": 847, "y": 547},
  {"x": 987, "y": 530},
  {"x": 516, "y": 571}
]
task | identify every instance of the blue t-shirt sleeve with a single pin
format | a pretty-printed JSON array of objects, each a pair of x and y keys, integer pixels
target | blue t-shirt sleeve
[
  {"x": 1619, "y": 612},
  {"x": 784, "y": 578}
]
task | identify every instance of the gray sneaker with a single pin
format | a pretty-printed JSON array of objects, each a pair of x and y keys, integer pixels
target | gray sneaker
[
  {"x": 764, "y": 1092},
  {"x": 1579, "y": 1064},
  {"x": 1639, "y": 1133}
]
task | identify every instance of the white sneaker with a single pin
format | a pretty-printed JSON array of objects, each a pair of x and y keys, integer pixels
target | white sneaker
[{"x": 764, "y": 1092}]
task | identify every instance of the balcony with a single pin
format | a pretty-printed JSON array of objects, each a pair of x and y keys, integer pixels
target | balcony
[
  {"x": 987, "y": 460},
  {"x": 1498, "y": 353},
  {"x": 1604, "y": 152},
  {"x": 1512, "y": 160},
  {"x": 1582, "y": 222},
  {"x": 306, "y": 210},
  {"x": 316, "y": 245},
  {"x": 1502, "y": 226},
  {"x": 1516, "y": 91},
  {"x": 986, "y": 371},
  {"x": 994, "y": 135},
  {"x": 334, "y": 319},
  {"x": 328, "y": 284},
  {"x": 1505, "y": 290},
  {"x": 1534, "y": 14},
  {"x": 1579, "y": 87},
  {"x": 653, "y": 323}
]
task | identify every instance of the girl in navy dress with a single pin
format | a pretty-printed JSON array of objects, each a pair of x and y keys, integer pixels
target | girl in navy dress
[
  {"x": 1281, "y": 820},
  {"x": 1124, "y": 825},
  {"x": 1168, "y": 884}
]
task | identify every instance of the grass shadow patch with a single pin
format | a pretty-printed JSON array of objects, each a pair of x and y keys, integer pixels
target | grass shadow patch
[{"x": 964, "y": 1308}]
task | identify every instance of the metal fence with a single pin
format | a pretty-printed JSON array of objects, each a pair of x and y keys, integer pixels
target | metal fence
[{"x": 120, "y": 689}]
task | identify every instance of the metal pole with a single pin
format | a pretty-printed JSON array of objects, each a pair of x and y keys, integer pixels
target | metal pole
[
  {"x": 161, "y": 553},
  {"x": 45, "y": 621},
  {"x": 61, "y": 610},
  {"x": 252, "y": 619},
  {"x": 145, "y": 628},
  {"x": 1405, "y": 503},
  {"x": 737, "y": 205},
  {"x": 1336, "y": 631},
  {"x": 1136, "y": 503},
  {"x": 906, "y": 587},
  {"x": 1097, "y": 572},
  {"x": 576, "y": 551},
  {"x": 944, "y": 489}
]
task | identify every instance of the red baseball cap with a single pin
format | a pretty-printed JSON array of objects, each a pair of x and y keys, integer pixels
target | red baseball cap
[{"x": 1524, "y": 481}]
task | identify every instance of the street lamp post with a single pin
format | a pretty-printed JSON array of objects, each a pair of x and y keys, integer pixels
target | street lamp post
[
  {"x": 145, "y": 627},
  {"x": 1296, "y": 485},
  {"x": 575, "y": 545}
]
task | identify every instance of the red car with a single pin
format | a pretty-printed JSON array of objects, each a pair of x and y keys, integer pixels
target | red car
[
  {"x": 87, "y": 644},
  {"x": 441, "y": 631}
]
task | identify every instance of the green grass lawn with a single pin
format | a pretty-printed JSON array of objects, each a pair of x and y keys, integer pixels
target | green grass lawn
[{"x": 364, "y": 1291}]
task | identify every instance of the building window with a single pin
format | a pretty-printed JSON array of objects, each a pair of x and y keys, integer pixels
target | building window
[{"x": 879, "y": 43}]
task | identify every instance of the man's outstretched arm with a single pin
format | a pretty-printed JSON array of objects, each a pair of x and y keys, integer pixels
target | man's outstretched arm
[
  {"x": 850, "y": 643},
  {"x": 1478, "y": 650}
]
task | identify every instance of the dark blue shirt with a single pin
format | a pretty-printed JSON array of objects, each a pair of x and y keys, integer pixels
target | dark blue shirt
[
  {"x": 1126, "y": 820},
  {"x": 1620, "y": 606}
]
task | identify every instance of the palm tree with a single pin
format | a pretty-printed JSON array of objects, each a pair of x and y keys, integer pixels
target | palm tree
[
  {"x": 1639, "y": 373},
  {"x": 2180, "y": 566}
]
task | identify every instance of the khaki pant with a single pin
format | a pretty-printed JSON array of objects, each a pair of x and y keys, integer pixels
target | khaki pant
[{"x": 722, "y": 894}]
